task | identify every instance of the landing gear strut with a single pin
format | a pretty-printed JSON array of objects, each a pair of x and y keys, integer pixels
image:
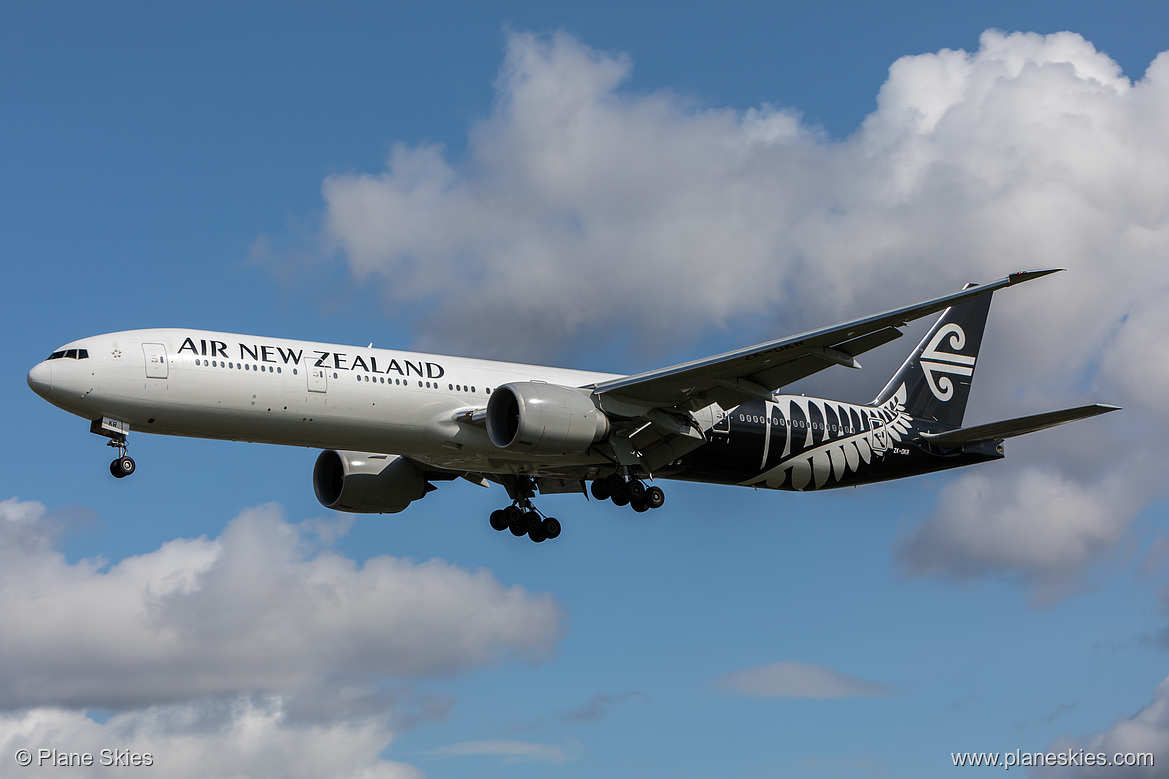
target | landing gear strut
[{"x": 522, "y": 518}]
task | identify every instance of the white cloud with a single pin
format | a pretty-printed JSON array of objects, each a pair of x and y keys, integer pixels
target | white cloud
[
  {"x": 584, "y": 215},
  {"x": 232, "y": 738},
  {"x": 793, "y": 679},
  {"x": 510, "y": 751},
  {"x": 257, "y": 610},
  {"x": 1147, "y": 731},
  {"x": 1034, "y": 523}
]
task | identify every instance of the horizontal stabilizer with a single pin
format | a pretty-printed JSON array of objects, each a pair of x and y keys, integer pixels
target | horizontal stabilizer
[{"x": 1009, "y": 428}]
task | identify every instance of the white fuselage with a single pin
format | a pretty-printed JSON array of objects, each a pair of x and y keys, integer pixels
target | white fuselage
[{"x": 298, "y": 393}]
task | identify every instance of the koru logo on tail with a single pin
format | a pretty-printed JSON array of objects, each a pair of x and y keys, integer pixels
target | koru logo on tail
[{"x": 936, "y": 362}]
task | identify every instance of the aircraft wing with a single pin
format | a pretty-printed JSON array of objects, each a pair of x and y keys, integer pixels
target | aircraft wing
[
  {"x": 1009, "y": 428},
  {"x": 757, "y": 371}
]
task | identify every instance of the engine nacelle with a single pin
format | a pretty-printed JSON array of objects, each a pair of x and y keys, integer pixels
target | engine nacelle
[
  {"x": 364, "y": 483},
  {"x": 531, "y": 416}
]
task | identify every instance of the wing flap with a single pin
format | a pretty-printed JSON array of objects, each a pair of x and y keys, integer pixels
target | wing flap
[{"x": 1009, "y": 428}]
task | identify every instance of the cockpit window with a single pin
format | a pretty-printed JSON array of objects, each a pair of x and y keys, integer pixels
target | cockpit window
[{"x": 71, "y": 354}]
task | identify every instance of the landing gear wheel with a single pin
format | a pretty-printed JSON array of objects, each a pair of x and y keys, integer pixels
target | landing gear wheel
[
  {"x": 537, "y": 535},
  {"x": 635, "y": 491},
  {"x": 550, "y": 527},
  {"x": 616, "y": 484},
  {"x": 654, "y": 498},
  {"x": 498, "y": 520},
  {"x": 639, "y": 505},
  {"x": 621, "y": 499},
  {"x": 532, "y": 521},
  {"x": 515, "y": 520},
  {"x": 122, "y": 467},
  {"x": 600, "y": 489}
]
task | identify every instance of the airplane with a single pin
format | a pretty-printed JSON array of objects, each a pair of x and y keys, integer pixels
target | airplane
[{"x": 390, "y": 423}]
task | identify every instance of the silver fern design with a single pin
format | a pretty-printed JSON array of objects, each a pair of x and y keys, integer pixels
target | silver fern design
[{"x": 869, "y": 435}]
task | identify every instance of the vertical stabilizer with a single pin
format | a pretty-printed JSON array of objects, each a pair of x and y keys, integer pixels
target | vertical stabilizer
[{"x": 937, "y": 375}]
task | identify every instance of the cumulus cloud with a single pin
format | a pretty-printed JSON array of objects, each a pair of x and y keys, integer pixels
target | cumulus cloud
[
  {"x": 584, "y": 216},
  {"x": 242, "y": 736},
  {"x": 793, "y": 679},
  {"x": 258, "y": 610},
  {"x": 1035, "y": 523},
  {"x": 1147, "y": 731}
]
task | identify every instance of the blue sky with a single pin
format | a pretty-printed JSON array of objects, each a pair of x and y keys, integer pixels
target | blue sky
[{"x": 535, "y": 164}]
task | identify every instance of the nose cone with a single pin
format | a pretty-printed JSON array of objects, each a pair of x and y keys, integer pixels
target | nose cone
[{"x": 40, "y": 379}]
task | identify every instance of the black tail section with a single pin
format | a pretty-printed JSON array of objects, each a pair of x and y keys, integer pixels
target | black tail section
[{"x": 936, "y": 377}]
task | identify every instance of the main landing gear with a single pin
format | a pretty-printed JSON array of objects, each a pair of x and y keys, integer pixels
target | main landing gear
[
  {"x": 628, "y": 492},
  {"x": 522, "y": 518}
]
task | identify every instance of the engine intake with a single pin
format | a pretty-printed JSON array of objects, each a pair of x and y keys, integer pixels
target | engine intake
[
  {"x": 532, "y": 416},
  {"x": 364, "y": 483}
]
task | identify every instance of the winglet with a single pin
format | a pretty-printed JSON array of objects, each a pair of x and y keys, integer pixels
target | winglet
[{"x": 1026, "y": 275}]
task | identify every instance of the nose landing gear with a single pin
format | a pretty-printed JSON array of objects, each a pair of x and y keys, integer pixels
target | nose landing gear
[
  {"x": 123, "y": 466},
  {"x": 116, "y": 431}
]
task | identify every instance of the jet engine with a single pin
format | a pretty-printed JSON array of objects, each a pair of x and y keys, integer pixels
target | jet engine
[
  {"x": 531, "y": 416},
  {"x": 365, "y": 483}
]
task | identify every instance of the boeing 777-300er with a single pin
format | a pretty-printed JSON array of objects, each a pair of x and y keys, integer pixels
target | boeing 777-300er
[{"x": 391, "y": 423}]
